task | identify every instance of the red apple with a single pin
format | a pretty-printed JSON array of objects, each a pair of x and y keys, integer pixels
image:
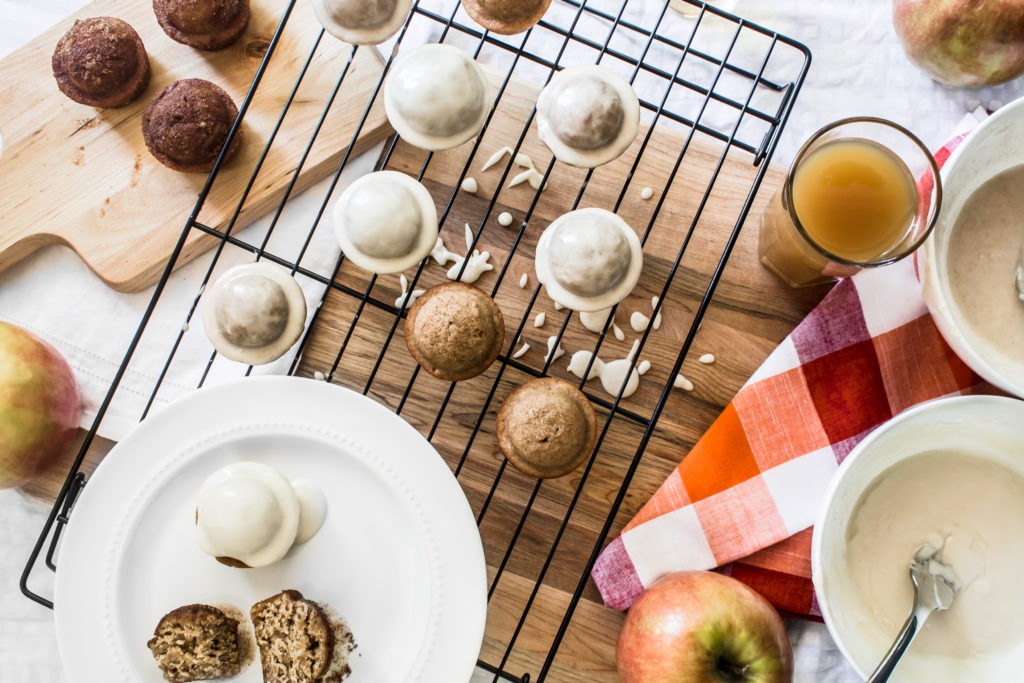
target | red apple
[
  {"x": 703, "y": 627},
  {"x": 963, "y": 43},
  {"x": 39, "y": 406}
]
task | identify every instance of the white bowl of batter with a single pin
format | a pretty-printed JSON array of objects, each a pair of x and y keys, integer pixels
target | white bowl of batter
[
  {"x": 968, "y": 263},
  {"x": 950, "y": 474}
]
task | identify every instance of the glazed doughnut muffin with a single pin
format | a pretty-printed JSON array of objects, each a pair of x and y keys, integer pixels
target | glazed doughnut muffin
[
  {"x": 506, "y": 16},
  {"x": 587, "y": 115},
  {"x": 101, "y": 62},
  {"x": 455, "y": 331},
  {"x": 546, "y": 428},
  {"x": 203, "y": 24},
  {"x": 187, "y": 123}
]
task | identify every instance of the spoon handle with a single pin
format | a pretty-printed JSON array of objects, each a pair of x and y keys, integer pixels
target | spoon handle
[{"x": 913, "y": 624}]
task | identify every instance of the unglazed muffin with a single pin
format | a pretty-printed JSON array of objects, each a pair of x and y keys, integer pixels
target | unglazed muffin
[
  {"x": 547, "y": 428},
  {"x": 101, "y": 62},
  {"x": 196, "y": 643},
  {"x": 187, "y": 123},
  {"x": 203, "y": 24},
  {"x": 295, "y": 638},
  {"x": 455, "y": 331},
  {"x": 506, "y": 16}
]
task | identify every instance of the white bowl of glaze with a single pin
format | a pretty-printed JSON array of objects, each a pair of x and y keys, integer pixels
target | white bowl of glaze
[
  {"x": 989, "y": 427},
  {"x": 995, "y": 146}
]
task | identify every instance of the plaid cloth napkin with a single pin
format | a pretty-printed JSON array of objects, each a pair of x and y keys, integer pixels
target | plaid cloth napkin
[{"x": 745, "y": 497}]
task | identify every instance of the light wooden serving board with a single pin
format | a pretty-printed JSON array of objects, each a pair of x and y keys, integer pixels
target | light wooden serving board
[
  {"x": 75, "y": 175},
  {"x": 752, "y": 312}
]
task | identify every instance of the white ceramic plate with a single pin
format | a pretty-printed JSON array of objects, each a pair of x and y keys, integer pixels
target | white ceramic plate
[{"x": 399, "y": 556}]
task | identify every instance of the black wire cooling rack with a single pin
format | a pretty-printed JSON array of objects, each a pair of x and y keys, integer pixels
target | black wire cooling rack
[{"x": 709, "y": 76}]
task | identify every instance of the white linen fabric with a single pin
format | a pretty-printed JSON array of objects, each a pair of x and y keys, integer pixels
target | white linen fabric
[{"x": 858, "y": 69}]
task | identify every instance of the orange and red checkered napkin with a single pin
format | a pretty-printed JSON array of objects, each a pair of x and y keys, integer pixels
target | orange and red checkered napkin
[{"x": 745, "y": 497}]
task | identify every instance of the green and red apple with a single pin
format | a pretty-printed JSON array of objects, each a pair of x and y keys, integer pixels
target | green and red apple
[
  {"x": 703, "y": 627},
  {"x": 39, "y": 406},
  {"x": 963, "y": 43}
]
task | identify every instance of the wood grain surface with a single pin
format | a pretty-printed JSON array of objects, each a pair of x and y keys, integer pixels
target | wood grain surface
[
  {"x": 752, "y": 311},
  {"x": 750, "y": 314},
  {"x": 80, "y": 176}
]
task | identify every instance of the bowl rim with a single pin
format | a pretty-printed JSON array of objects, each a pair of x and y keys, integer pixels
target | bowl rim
[
  {"x": 843, "y": 471},
  {"x": 933, "y": 278}
]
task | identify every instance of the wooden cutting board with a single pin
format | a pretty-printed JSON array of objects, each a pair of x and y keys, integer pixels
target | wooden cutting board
[
  {"x": 751, "y": 313},
  {"x": 75, "y": 175}
]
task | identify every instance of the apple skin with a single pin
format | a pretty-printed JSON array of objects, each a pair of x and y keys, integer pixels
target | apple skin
[
  {"x": 963, "y": 43},
  {"x": 678, "y": 629},
  {"x": 40, "y": 406}
]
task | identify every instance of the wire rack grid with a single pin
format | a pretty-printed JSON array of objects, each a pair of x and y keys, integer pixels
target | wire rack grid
[{"x": 712, "y": 77}]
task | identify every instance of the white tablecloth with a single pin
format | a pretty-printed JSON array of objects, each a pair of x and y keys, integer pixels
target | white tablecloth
[{"x": 858, "y": 69}]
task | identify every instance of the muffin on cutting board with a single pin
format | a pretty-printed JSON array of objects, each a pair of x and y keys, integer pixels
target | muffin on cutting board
[
  {"x": 547, "y": 428},
  {"x": 196, "y": 643}
]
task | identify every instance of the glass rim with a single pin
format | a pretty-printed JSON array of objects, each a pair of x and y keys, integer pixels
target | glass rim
[{"x": 937, "y": 188}]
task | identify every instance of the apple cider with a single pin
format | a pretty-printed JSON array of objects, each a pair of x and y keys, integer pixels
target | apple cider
[
  {"x": 855, "y": 199},
  {"x": 849, "y": 202}
]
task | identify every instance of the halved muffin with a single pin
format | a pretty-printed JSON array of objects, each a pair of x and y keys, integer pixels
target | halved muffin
[
  {"x": 295, "y": 638},
  {"x": 196, "y": 643}
]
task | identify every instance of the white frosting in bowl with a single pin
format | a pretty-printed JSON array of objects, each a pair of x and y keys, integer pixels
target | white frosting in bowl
[
  {"x": 254, "y": 312},
  {"x": 589, "y": 259},
  {"x": 386, "y": 222},
  {"x": 945, "y": 474},
  {"x": 587, "y": 115},
  {"x": 436, "y": 97},
  {"x": 362, "y": 22}
]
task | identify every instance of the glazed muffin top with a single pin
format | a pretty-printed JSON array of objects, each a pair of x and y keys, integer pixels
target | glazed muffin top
[
  {"x": 455, "y": 331},
  {"x": 547, "y": 428},
  {"x": 101, "y": 62},
  {"x": 506, "y": 16},
  {"x": 203, "y": 24},
  {"x": 187, "y": 123}
]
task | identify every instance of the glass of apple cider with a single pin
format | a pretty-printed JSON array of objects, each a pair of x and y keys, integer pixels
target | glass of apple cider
[{"x": 862, "y": 192}]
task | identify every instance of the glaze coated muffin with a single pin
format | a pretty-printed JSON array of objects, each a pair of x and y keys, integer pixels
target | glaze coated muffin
[
  {"x": 455, "y": 331},
  {"x": 362, "y": 22},
  {"x": 101, "y": 62},
  {"x": 187, "y": 123},
  {"x": 547, "y": 428},
  {"x": 506, "y": 16},
  {"x": 203, "y": 24}
]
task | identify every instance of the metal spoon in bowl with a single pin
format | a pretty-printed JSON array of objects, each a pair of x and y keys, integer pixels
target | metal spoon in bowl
[
  {"x": 935, "y": 586},
  {"x": 1018, "y": 277}
]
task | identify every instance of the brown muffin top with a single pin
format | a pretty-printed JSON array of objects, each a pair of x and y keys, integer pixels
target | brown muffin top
[
  {"x": 547, "y": 428},
  {"x": 187, "y": 123},
  {"x": 101, "y": 62},
  {"x": 506, "y": 16},
  {"x": 203, "y": 24},
  {"x": 455, "y": 331}
]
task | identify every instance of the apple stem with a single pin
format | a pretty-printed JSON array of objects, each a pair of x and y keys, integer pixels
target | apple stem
[{"x": 733, "y": 672}]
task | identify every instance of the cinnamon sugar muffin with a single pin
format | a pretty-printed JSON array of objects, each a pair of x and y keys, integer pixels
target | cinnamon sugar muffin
[
  {"x": 187, "y": 124},
  {"x": 455, "y": 331},
  {"x": 506, "y": 16},
  {"x": 203, "y": 24},
  {"x": 547, "y": 428},
  {"x": 101, "y": 62}
]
